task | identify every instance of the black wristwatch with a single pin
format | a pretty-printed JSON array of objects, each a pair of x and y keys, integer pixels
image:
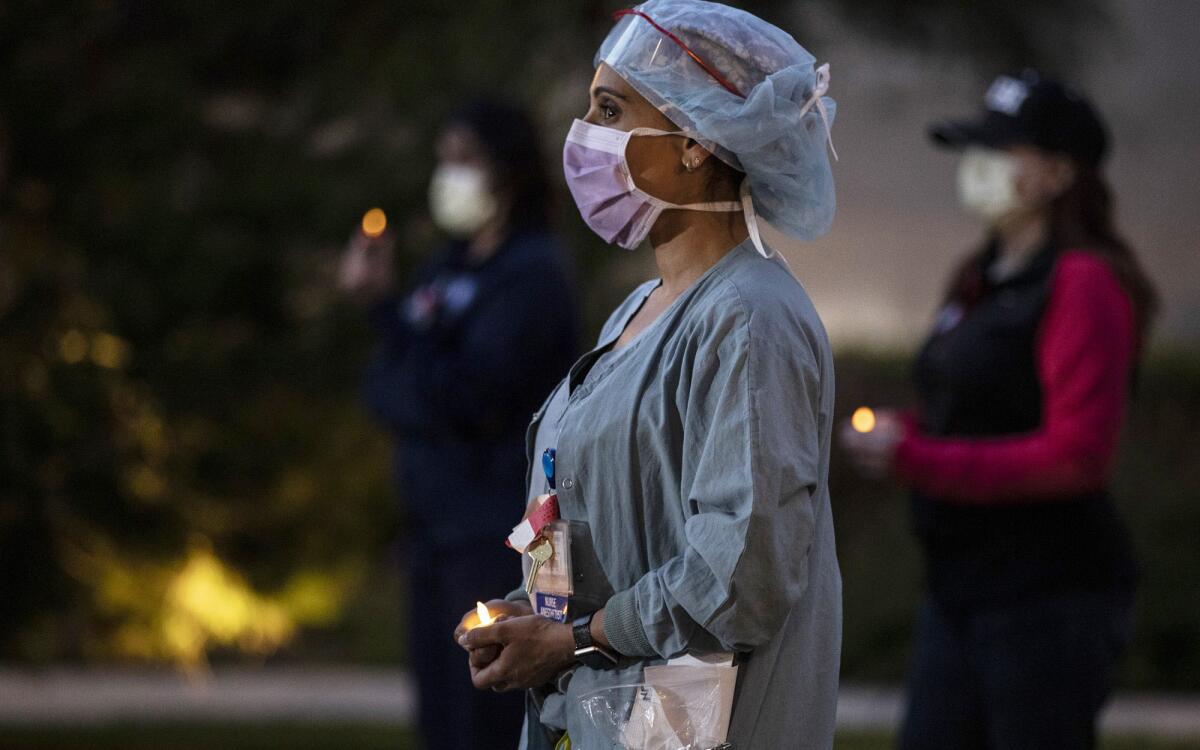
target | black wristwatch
[{"x": 587, "y": 652}]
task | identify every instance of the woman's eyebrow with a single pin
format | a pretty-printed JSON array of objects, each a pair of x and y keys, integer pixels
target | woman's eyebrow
[{"x": 606, "y": 90}]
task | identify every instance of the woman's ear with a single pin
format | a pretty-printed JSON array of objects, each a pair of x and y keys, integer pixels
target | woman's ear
[
  {"x": 694, "y": 155},
  {"x": 1061, "y": 175}
]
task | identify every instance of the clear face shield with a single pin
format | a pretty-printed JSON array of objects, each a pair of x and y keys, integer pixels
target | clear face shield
[{"x": 640, "y": 46}]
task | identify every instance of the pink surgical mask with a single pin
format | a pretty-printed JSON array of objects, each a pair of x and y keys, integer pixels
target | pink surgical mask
[{"x": 602, "y": 185}]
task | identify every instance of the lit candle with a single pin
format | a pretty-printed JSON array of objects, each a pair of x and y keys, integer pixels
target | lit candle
[
  {"x": 374, "y": 222},
  {"x": 485, "y": 617},
  {"x": 863, "y": 419}
]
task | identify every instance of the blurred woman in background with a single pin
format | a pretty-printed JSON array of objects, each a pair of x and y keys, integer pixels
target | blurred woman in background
[
  {"x": 1022, "y": 386},
  {"x": 466, "y": 351}
]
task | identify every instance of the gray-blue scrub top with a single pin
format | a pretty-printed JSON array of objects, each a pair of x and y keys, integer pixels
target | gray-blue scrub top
[{"x": 695, "y": 461}]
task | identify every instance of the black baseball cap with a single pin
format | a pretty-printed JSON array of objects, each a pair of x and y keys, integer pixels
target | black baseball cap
[{"x": 1029, "y": 110}]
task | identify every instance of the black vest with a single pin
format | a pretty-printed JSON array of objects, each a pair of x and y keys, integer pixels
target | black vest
[{"x": 976, "y": 376}]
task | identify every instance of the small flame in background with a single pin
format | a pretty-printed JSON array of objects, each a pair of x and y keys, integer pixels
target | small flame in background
[
  {"x": 374, "y": 222},
  {"x": 485, "y": 617},
  {"x": 863, "y": 419}
]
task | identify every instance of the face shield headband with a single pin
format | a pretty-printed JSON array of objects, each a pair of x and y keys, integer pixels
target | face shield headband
[{"x": 687, "y": 50}]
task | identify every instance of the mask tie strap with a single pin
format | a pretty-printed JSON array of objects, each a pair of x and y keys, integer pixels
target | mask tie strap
[
  {"x": 820, "y": 88},
  {"x": 745, "y": 203},
  {"x": 752, "y": 218},
  {"x": 715, "y": 206}
]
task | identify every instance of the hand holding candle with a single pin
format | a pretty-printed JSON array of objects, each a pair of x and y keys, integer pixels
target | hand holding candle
[
  {"x": 486, "y": 615},
  {"x": 870, "y": 438},
  {"x": 480, "y": 617},
  {"x": 518, "y": 652},
  {"x": 483, "y": 617},
  {"x": 365, "y": 270}
]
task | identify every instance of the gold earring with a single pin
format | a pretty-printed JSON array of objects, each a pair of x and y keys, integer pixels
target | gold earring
[{"x": 689, "y": 165}]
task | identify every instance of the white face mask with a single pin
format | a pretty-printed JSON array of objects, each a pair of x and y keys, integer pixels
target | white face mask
[
  {"x": 987, "y": 183},
  {"x": 460, "y": 200}
]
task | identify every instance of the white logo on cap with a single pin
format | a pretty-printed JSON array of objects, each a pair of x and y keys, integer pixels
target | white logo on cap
[{"x": 1006, "y": 95}]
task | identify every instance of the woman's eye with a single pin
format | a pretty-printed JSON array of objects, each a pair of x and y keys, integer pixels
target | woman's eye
[{"x": 607, "y": 112}]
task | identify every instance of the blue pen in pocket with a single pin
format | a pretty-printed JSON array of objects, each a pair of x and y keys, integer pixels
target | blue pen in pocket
[{"x": 548, "y": 468}]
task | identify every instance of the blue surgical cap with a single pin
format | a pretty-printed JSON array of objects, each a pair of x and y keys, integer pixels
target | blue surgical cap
[{"x": 764, "y": 130}]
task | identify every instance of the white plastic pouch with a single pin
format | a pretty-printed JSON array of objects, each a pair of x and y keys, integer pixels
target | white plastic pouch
[{"x": 684, "y": 704}]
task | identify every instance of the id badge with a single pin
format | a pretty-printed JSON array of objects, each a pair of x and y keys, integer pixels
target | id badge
[{"x": 553, "y": 587}]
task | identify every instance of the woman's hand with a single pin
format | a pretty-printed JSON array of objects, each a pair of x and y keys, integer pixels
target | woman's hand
[
  {"x": 500, "y": 609},
  {"x": 873, "y": 453},
  {"x": 532, "y": 651},
  {"x": 366, "y": 266}
]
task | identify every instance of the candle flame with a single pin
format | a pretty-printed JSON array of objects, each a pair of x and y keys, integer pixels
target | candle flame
[
  {"x": 374, "y": 222},
  {"x": 485, "y": 617},
  {"x": 863, "y": 420}
]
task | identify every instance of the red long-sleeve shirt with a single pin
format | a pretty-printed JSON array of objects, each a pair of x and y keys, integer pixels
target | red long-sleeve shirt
[{"x": 1086, "y": 344}]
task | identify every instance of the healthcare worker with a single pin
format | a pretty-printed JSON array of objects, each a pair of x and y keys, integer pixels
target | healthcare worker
[
  {"x": 1023, "y": 383},
  {"x": 465, "y": 353},
  {"x": 692, "y": 443}
]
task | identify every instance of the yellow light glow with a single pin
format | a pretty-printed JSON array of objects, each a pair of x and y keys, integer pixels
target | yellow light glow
[
  {"x": 374, "y": 222},
  {"x": 146, "y": 484},
  {"x": 180, "y": 611},
  {"x": 863, "y": 419},
  {"x": 73, "y": 347},
  {"x": 485, "y": 617},
  {"x": 315, "y": 597},
  {"x": 109, "y": 351},
  {"x": 208, "y": 603}
]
